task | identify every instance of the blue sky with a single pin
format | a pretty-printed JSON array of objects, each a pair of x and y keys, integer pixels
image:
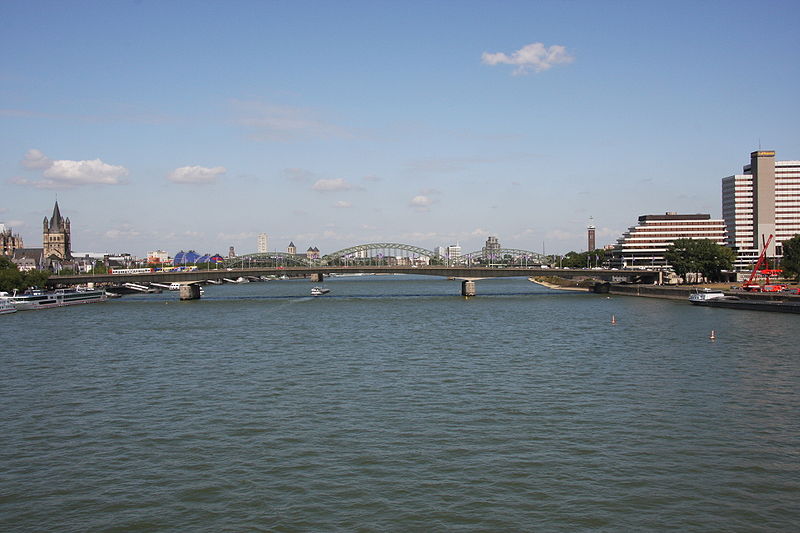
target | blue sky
[{"x": 176, "y": 125}]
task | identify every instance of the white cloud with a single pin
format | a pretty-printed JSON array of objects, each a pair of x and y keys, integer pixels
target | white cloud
[
  {"x": 561, "y": 235},
  {"x": 64, "y": 173},
  {"x": 418, "y": 236},
  {"x": 241, "y": 236},
  {"x": 480, "y": 232},
  {"x": 281, "y": 123},
  {"x": 19, "y": 180},
  {"x": 534, "y": 57},
  {"x": 421, "y": 202},
  {"x": 524, "y": 234},
  {"x": 94, "y": 172},
  {"x": 122, "y": 231},
  {"x": 195, "y": 175},
  {"x": 298, "y": 174},
  {"x": 338, "y": 184},
  {"x": 447, "y": 164},
  {"x": 35, "y": 159},
  {"x": 341, "y": 204}
]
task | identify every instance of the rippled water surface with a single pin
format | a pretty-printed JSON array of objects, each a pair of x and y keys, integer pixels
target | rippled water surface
[{"x": 394, "y": 404}]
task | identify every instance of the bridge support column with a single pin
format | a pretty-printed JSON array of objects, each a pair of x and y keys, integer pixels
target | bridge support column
[
  {"x": 468, "y": 288},
  {"x": 190, "y": 292},
  {"x": 317, "y": 277}
]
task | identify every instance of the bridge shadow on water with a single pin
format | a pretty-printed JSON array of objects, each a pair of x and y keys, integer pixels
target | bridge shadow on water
[
  {"x": 369, "y": 288},
  {"x": 393, "y": 296}
]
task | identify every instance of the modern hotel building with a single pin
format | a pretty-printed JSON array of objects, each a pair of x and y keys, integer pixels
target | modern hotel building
[
  {"x": 763, "y": 200},
  {"x": 645, "y": 244}
]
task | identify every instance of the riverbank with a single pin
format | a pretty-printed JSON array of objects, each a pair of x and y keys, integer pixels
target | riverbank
[
  {"x": 683, "y": 292},
  {"x": 553, "y": 282}
]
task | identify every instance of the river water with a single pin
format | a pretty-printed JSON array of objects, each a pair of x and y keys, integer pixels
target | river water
[{"x": 394, "y": 404}]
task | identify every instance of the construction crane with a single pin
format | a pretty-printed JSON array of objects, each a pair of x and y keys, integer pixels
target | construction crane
[{"x": 766, "y": 272}]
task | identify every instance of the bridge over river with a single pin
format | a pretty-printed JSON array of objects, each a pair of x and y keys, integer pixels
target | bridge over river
[{"x": 467, "y": 274}]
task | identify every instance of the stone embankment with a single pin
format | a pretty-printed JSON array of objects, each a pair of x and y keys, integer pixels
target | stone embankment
[
  {"x": 669, "y": 292},
  {"x": 555, "y": 282},
  {"x": 683, "y": 292}
]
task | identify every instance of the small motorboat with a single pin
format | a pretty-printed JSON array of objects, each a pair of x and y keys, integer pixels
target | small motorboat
[
  {"x": 319, "y": 291},
  {"x": 704, "y": 295}
]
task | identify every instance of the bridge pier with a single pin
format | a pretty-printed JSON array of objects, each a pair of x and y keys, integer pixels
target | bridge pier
[
  {"x": 190, "y": 292},
  {"x": 468, "y": 288},
  {"x": 317, "y": 277}
]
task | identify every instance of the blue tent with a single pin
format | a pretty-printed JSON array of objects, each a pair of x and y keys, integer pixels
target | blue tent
[{"x": 186, "y": 258}]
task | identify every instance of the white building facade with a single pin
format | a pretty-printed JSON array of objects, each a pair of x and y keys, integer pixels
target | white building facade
[
  {"x": 763, "y": 200},
  {"x": 454, "y": 254},
  {"x": 263, "y": 243},
  {"x": 645, "y": 244}
]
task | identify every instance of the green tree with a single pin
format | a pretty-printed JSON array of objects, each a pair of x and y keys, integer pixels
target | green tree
[
  {"x": 36, "y": 278},
  {"x": 791, "y": 257},
  {"x": 11, "y": 278},
  {"x": 99, "y": 268},
  {"x": 583, "y": 259},
  {"x": 702, "y": 256}
]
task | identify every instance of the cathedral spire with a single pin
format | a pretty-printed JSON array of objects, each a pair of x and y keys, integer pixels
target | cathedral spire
[{"x": 56, "y": 221}]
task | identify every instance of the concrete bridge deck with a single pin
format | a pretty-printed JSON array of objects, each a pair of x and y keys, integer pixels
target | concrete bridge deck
[{"x": 464, "y": 273}]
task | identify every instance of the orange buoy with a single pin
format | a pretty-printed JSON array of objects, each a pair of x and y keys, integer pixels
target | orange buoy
[{"x": 613, "y": 319}]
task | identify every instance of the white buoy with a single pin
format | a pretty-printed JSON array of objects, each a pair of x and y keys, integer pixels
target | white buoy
[
  {"x": 713, "y": 335},
  {"x": 613, "y": 320}
]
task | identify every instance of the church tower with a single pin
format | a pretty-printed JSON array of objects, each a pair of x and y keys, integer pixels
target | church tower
[{"x": 56, "y": 239}]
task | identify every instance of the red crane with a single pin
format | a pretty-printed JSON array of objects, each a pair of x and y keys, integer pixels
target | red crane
[{"x": 767, "y": 272}]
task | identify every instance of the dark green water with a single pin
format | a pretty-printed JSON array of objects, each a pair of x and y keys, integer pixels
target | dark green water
[{"x": 393, "y": 404}]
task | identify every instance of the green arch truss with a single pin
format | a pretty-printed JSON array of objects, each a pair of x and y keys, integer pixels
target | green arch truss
[
  {"x": 501, "y": 255},
  {"x": 375, "y": 249},
  {"x": 269, "y": 259}
]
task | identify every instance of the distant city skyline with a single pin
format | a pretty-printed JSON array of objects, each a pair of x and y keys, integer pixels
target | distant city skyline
[{"x": 172, "y": 126}]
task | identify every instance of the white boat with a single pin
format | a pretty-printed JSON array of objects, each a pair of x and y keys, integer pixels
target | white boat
[
  {"x": 704, "y": 295},
  {"x": 6, "y": 307},
  {"x": 37, "y": 299},
  {"x": 319, "y": 291}
]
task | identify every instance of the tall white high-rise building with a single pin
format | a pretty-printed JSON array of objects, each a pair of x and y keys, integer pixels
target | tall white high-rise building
[
  {"x": 263, "y": 243},
  {"x": 763, "y": 200}
]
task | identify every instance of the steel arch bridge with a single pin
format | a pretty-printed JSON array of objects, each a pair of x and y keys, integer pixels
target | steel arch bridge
[
  {"x": 503, "y": 255},
  {"x": 382, "y": 253},
  {"x": 379, "y": 250},
  {"x": 272, "y": 259}
]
